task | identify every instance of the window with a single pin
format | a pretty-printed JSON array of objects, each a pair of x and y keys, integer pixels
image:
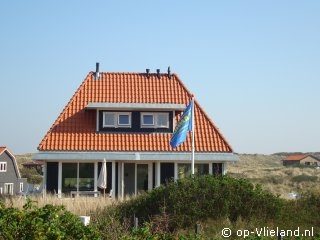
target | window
[
  {"x": 109, "y": 120},
  {"x": 21, "y": 187},
  {"x": 147, "y": 119},
  {"x": 3, "y": 166},
  {"x": 123, "y": 120},
  {"x": 163, "y": 120},
  {"x": 77, "y": 177},
  {"x": 184, "y": 169},
  {"x": 8, "y": 188},
  {"x": 155, "y": 120},
  {"x": 116, "y": 119}
]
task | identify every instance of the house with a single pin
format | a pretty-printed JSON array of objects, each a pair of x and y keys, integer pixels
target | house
[
  {"x": 10, "y": 179},
  {"x": 128, "y": 119},
  {"x": 301, "y": 159},
  {"x": 37, "y": 165}
]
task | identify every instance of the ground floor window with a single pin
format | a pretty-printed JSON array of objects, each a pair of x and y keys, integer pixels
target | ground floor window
[
  {"x": 21, "y": 187},
  {"x": 142, "y": 177},
  {"x": 77, "y": 177},
  {"x": 217, "y": 169},
  {"x": 69, "y": 177},
  {"x": 8, "y": 188},
  {"x": 86, "y": 176},
  {"x": 184, "y": 169}
]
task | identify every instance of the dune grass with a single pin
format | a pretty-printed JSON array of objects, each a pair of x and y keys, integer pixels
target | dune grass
[{"x": 79, "y": 205}]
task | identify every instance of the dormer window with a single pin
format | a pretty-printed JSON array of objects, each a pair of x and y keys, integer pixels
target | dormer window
[
  {"x": 147, "y": 119},
  {"x": 117, "y": 119},
  {"x": 154, "y": 120}
]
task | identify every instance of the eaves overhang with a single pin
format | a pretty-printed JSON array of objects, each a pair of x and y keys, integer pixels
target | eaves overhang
[
  {"x": 51, "y": 156},
  {"x": 136, "y": 106}
]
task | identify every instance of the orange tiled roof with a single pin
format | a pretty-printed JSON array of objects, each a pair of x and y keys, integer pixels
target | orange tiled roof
[
  {"x": 75, "y": 127},
  {"x": 295, "y": 157}
]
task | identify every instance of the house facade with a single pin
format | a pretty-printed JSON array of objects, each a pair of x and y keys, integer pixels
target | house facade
[
  {"x": 11, "y": 182},
  {"x": 128, "y": 119},
  {"x": 301, "y": 159}
]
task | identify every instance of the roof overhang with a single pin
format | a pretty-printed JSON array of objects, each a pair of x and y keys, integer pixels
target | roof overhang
[
  {"x": 136, "y": 106},
  {"x": 134, "y": 156}
]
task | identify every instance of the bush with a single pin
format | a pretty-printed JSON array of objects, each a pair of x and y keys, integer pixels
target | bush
[
  {"x": 32, "y": 175},
  {"x": 191, "y": 200},
  {"x": 48, "y": 222}
]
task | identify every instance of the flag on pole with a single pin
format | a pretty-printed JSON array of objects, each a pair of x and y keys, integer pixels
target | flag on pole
[{"x": 183, "y": 126}]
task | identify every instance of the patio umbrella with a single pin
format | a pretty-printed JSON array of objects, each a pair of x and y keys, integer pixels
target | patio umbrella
[{"x": 102, "y": 180}]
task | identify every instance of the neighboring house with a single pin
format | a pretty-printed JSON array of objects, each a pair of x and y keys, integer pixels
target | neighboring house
[
  {"x": 37, "y": 165},
  {"x": 128, "y": 119},
  {"x": 10, "y": 179},
  {"x": 301, "y": 159}
]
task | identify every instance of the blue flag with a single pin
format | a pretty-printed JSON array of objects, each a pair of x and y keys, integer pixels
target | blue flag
[{"x": 183, "y": 126}]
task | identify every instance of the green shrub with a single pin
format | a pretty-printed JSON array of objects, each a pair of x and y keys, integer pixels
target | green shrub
[
  {"x": 191, "y": 200},
  {"x": 48, "y": 222},
  {"x": 32, "y": 175}
]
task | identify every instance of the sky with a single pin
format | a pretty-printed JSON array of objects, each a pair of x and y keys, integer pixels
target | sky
[{"x": 254, "y": 66}]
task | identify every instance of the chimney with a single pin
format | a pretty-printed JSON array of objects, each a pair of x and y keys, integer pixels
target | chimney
[
  {"x": 148, "y": 72},
  {"x": 158, "y": 73},
  {"x": 97, "y": 74},
  {"x": 169, "y": 72}
]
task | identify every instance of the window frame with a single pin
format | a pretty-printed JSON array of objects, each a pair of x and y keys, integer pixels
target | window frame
[
  {"x": 3, "y": 166},
  {"x": 155, "y": 120},
  {"x": 167, "y": 118},
  {"x": 116, "y": 120},
  {"x": 129, "y": 119},
  {"x": 5, "y": 190},
  {"x": 104, "y": 117},
  {"x": 147, "y": 124}
]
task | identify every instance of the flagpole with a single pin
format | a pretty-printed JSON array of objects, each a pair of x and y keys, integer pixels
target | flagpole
[{"x": 192, "y": 117}]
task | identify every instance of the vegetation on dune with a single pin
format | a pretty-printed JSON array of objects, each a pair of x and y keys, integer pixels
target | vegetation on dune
[
  {"x": 170, "y": 212},
  {"x": 32, "y": 175},
  {"x": 48, "y": 222}
]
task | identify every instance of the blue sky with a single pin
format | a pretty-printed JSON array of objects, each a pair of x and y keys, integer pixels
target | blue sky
[{"x": 252, "y": 65}]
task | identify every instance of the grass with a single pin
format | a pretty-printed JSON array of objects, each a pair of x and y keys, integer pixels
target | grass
[
  {"x": 80, "y": 205},
  {"x": 268, "y": 171}
]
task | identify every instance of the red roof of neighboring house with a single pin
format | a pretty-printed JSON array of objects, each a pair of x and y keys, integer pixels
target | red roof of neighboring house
[
  {"x": 33, "y": 163},
  {"x": 295, "y": 157},
  {"x": 2, "y": 149},
  {"x": 75, "y": 127}
]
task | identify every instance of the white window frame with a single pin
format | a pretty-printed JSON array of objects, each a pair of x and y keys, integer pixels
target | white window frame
[
  {"x": 155, "y": 120},
  {"x": 167, "y": 116},
  {"x": 21, "y": 187},
  {"x": 124, "y": 114},
  {"x": 116, "y": 119},
  {"x": 3, "y": 166},
  {"x": 147, "y": 124},
  {"x": 8, "y": 190},
  {"x": 103, "y": 120}
]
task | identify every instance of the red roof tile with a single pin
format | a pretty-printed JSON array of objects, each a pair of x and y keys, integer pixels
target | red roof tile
[
  {"x": 295, "y": 157},
  {"x": 75, "y": 127},
  {"x": 2, "y": 149}
]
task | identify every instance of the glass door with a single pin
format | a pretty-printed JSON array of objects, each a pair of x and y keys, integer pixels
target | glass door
[{"x": 142, "y": 177}]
